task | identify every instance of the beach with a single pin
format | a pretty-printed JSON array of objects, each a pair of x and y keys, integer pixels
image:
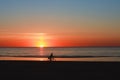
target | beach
[
  {"x": 59, "y": 70},
  {"x": 60, "y": 39}
]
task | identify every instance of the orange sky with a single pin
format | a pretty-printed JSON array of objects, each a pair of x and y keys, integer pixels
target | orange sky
[
  {"x": 51, "y": 23},
  {"x": 58, "y": 40}
]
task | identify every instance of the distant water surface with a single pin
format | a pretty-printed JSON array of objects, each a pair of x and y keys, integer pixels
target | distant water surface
[{"x": 106, "y": 53}]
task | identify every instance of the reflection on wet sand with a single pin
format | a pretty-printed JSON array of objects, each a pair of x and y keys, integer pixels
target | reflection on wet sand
[
  {"x": 62, "y": 59},
  {"x": 23, "y": 58}
]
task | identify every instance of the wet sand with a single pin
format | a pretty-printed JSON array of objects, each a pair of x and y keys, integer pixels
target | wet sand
[
  {"x": 59, "y": 70},
  {"x": 88, "y": 59}
]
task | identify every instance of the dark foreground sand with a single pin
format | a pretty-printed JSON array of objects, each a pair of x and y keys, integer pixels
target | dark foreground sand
[{"x": 59, "y": 70}]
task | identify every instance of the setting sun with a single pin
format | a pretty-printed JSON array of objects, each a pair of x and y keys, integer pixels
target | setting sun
[
  {"x": 41, "y": 45},
  {"x": 41, "y": 42}
]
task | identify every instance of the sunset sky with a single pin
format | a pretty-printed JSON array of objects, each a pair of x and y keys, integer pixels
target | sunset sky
[{"x": 51, "y": 23}]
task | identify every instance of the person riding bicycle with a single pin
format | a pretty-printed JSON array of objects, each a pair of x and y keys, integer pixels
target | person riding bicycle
[{"x": 51, "y": 57}]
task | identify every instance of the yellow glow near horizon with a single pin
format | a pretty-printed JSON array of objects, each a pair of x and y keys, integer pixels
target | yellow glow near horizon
[
  {"x": 41, "y": 42},
  {"x": 41, "y": 45}
]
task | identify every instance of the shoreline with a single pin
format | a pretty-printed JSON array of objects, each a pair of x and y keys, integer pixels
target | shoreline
[
  {"x": 60, "y": 56},
  {"x": 83, "y": 59}
]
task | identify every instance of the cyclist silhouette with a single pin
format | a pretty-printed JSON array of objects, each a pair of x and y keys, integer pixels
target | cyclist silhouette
[{"x": 51, "y": 57}]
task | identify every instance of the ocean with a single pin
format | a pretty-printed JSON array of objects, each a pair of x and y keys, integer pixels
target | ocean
[{"x": 62, "y": 54}]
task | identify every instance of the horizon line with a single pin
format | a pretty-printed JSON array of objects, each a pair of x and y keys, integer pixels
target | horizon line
[{"x": 57, "y": 47}]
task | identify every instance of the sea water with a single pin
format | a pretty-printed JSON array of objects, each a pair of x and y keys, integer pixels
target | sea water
[{"x": 98, "y": 53}]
